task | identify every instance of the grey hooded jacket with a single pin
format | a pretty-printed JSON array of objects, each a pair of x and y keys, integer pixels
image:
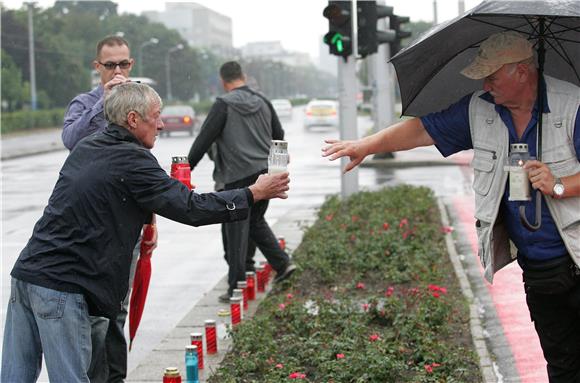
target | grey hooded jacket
[{"x": 242, "y": 123}]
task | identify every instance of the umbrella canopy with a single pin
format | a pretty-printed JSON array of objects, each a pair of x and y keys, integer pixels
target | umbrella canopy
[
  {"x": 429, "y": 69},
  {"x": 140, "y": 284}
]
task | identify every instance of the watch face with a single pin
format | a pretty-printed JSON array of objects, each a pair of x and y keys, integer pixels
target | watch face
[{"x": 559, "y": 189}]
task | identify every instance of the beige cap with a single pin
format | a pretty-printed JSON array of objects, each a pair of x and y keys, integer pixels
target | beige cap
[{"x": 497, "y": 50}]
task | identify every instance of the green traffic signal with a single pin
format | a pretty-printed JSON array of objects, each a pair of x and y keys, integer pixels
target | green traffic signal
[
  {"x": 337, "y": 40},
  {"x": 339, "y": 36}
]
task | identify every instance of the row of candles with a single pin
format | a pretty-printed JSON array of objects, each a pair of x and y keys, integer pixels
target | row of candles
[{"x": 256, "y": 282}]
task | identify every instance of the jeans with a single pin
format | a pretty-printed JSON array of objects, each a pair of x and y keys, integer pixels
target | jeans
[
  {"x": 109, "y": 357},
  {"x": 41, "y": 320}
]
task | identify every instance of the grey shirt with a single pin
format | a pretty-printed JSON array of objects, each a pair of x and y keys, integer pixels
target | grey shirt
[{"x": 242, "y": 123}]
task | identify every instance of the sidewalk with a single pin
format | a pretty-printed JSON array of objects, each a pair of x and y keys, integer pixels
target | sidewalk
[
  {"x": 171, "y": 350},
  {"x": 25, "y": 143}
]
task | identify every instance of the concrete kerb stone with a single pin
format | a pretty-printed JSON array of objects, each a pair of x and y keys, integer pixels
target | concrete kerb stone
[
  {"x": 396, "y": 163},
  {"x": 477, "y": 332}
]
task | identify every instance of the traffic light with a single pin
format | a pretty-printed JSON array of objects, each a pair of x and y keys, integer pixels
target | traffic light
[
  {"x": 339, "y": 36},
  {"x": 395, "y": 23},
  {"x": 369, "y": 38}
]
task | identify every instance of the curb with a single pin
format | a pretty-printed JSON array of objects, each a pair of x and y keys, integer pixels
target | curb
[
  {"x": 477, "y": 332},
  {"x": 401, "y": 164}
]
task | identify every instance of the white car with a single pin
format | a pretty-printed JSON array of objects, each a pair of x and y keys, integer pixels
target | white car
[
  {"x": 321, "y": 113},
  {"x": 283, "y": 108}
]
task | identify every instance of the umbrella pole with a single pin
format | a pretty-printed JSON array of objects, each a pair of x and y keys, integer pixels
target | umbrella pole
[{"x": 540, "y": 99}]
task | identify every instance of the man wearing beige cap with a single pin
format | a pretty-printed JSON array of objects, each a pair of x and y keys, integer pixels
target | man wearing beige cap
[{"x": 488, "y": 121}]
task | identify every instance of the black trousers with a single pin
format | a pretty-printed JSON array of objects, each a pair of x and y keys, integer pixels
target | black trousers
[
  {"x": 256, "y": 229},
  {"x": 556, "y": 318}
]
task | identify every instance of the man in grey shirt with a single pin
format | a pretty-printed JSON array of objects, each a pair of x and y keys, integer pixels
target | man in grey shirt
[
  {"x": 242, "y": 123},
  {"x": 84, "y": 116}
]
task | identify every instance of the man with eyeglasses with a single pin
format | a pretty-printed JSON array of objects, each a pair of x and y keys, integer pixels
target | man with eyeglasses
[{"x": 84, "y": 117}]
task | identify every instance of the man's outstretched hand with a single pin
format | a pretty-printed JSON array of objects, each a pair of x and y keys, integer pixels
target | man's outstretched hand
[
  {"x": 270, "y": 186},
  {"x": 351, "y": 149}
]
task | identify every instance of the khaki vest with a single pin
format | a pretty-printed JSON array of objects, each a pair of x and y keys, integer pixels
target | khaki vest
[{"x": 491, "y": 148}]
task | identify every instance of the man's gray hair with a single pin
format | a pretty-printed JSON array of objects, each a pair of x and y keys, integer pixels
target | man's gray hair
[{"x": 127, "y": 97}]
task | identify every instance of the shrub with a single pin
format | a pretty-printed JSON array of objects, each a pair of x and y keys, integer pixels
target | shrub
[
  {"x": 374, "y": 300},
  {"x": 28, "y": 119}
]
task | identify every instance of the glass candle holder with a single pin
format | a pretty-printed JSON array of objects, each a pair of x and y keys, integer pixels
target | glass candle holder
[
  {"x": 244, "y": 287},
  {"x": 282, "y": 242},
  {"x": 191, "y": 364},
  {"x": 260, "y": 279},
  {"x": 236, "y": 310},
  {"x": 251, "y": 282},
  {"x": 180, "y": 170},
  {"x": 197, "y": 340},
  {"x": 210, "y": 336},
  {"x": 278, "y": 157},
  {"x": 171, "y": 375}
]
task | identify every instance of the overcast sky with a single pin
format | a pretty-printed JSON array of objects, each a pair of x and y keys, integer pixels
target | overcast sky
[{"x": 298, "y": 24}]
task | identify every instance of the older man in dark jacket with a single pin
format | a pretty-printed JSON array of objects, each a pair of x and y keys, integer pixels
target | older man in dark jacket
[{"x": 77, "y": 261}]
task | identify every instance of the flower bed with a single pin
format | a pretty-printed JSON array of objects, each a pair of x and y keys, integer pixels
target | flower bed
[{"x": 375, "y": 299}]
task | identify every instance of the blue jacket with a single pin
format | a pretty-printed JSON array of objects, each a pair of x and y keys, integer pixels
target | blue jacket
[{"x": 108, "y": 187}]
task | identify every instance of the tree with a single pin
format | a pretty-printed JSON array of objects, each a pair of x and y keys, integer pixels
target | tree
[{"x": 11, "y": 83}]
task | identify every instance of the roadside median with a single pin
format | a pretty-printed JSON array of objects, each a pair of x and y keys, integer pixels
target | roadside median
[{"x": 374, "y": 300}]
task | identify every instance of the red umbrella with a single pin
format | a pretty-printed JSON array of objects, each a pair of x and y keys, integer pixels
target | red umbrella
[{"x": 140, "y": 283}]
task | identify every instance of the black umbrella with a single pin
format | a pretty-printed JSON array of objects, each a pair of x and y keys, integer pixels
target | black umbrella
[{"x": 429, "y": 69}]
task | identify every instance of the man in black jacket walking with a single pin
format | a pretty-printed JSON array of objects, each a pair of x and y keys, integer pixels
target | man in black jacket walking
[
  {"x": 77, "y": 261},
  {"x": 242, "y": 123}
]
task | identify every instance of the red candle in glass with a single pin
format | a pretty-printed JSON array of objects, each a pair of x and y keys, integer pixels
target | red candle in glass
[
  {"x": 282, "y": 242},
  {"x": 180, "y": 170},
  {"x": 260, "y": 278},
  {"x": 171, "y": 375},
  {"x": 268, "y": 269},
  {"x": 236, "y": 310},
  {"x": 239, "y": 293},
  {"x": 244, "y": 287},
  {"x": 210, "y": 336},
  {"x": 197, "y": 340},
  {"x": 251, "y": 282}
]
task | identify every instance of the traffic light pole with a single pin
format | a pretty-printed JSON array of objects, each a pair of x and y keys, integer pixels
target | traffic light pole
[
  {"x": 347, "y": 87},
  {"x": 383, "y": 87}
]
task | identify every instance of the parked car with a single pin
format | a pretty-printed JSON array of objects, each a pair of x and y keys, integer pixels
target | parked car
[
  {"x": 283, "y": 108},
  {"x": 321, "y": 113},
  {"x": 178, "y": 118}
]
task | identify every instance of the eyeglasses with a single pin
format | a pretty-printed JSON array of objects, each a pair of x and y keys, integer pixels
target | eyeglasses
[{"x": 109, "y": 65}]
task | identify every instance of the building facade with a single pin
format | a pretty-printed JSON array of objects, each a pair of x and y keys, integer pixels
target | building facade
[
  {"x": 200, "y": 26},
  {"x": 273, "y": 51}
]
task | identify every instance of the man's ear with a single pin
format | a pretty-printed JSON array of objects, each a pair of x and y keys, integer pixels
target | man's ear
[
  {"x": 523, "y": 72},
  {"x": 132, "y": 117}
]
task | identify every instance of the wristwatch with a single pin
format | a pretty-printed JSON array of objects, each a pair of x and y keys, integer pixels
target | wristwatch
[{"x": 558, "y": 188}]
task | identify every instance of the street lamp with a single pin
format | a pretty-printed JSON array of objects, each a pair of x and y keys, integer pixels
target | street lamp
[
  {"x": 151, "y": 41},
  {"x": 31, "y": 58},
  {"x": 168, "y": 69}
]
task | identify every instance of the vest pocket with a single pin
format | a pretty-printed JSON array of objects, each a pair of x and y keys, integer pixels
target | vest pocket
[
  {"x": 561, "y": 159},
  {"x": 483, "y": 163}
]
